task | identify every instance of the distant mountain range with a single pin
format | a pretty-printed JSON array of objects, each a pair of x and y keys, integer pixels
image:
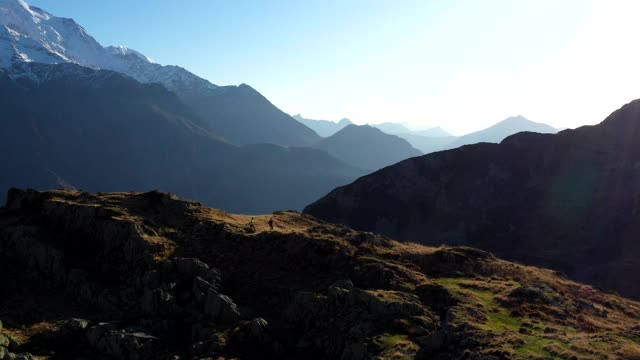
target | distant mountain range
[
  {"x": 367, "y": 147},
  {"x": 502, "y": 130},
  {"x": 432, "y": 132},
  {"x": 240, "y": 114},
  {"x": 80, "y": 115},
  {"x": 392, "y": 128},
  {"x": 567, "y": 201},
  {"x": 438, "y": 140},
  {"x": 218, "y": 128},
  {"x": 324, "y": 128}
]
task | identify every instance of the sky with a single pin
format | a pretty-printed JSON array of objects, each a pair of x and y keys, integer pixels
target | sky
[{"x": 460, "y": 64}]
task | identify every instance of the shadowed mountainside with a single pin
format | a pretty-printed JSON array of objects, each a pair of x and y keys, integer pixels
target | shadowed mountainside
[
  {"x": 567, "y": 201},
  {"x": 152, "y": 276},
  {"x": 243, "y": 116},
  {"x": 66, "y": 126}
]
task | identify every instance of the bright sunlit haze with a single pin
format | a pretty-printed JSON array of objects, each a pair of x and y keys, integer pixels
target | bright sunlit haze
[{"x": 463, "y": 65}]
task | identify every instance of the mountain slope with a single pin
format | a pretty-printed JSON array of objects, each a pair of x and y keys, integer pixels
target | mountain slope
[
  {"x": 566, "y": 201},
  {"x": 243, "y": 116},
  {"x": 501, "y": 130},
  {"x": 152, "y": 276},
  {"x": 366, "y": 147},
  {"x": 324, "y": 128},
  {"x": 70, "y": 126},
  {"x": 30, "y": 34}
]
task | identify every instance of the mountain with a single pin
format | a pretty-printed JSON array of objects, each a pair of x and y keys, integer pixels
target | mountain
[
  {"x": 324, "y": 128},
  {"x": 436, "y": 139},
  {"x": 567, "y": 201},
  {"x": 366, "y": 147},
  {"x": 392, "y": 128},
  {"x": 152, "y": 276},
  {"x": 428, "y": 144},
  {"x": 30, "y": 34},
  {"x": 502, "y": 130},
  {"x": 73, "y": 127},
  {"x": 432, "y": 132},
  {"x": 243, "y": 116}
]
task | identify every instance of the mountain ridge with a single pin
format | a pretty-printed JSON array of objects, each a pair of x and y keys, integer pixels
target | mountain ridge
[{"x": 564, "y": 201}]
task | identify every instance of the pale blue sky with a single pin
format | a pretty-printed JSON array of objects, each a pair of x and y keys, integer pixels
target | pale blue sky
[{"x": 460, "y": 64}]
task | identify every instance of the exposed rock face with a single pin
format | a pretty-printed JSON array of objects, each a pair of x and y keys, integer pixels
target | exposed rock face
[
  {"x": 152, "y": 276},
  {"x": 567, "y": 201}
]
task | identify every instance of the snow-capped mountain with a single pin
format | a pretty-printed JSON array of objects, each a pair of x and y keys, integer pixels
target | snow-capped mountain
[
  {"x": 240, "y": 114},
  {"x": 30, "y": 34}
]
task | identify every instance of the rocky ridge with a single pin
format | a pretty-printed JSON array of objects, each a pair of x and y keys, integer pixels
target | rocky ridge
[{"x": 152, "y": 276}]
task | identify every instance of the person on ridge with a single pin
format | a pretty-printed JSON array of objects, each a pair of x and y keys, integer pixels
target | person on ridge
[{"x": 271, "y": 223}]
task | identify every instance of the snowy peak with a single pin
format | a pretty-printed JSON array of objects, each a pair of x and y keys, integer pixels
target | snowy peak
[
  {"x": 29, "y": 34},
  {"x": 41, "y": 37},
  {"x": 125, "y": 51},
  {"x": 18, "y": 11}
]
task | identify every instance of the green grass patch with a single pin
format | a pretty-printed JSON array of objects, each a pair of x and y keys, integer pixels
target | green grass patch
[
  {"x": 498, "y": 321},
  {"x": 534, "y": 346},
  {"x": 396, "y": 347}
]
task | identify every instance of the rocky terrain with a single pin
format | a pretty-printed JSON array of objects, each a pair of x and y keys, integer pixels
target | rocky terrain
[
  {"x": 152, "y": 276},
  {"x": 568, "y": 201}
]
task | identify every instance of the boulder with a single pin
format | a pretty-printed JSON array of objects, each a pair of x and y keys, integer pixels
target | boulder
[
  {"x": 128, "y": 343},
  {"x": 201, "y": 288},
  {"x": 257, "y": 327},
  {"x": 221, "y": 307},
  {"x": 190, "y": 267},
  {"x": 76, "y": 324}
]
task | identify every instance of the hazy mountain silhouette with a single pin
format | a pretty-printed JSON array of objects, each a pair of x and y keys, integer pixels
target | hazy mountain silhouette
[
  {"x": 432, "y": 132},
  {"x": 498, "y": 132},
  {"x": 392, "y": 128},
  {"x": 427, "y": 144},
  {"x": 437, "y": 139},
  {"x": 323, "y": 128},
  {"x": 70, "y": 126},
  {"x": 568, "y": 201},
  {"x": 367, "y": 147}
]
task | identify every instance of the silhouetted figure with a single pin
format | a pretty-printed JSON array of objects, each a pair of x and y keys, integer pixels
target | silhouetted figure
[
  {"x": 271, "y": 223},
  {"x": 251, "y": 225}
]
